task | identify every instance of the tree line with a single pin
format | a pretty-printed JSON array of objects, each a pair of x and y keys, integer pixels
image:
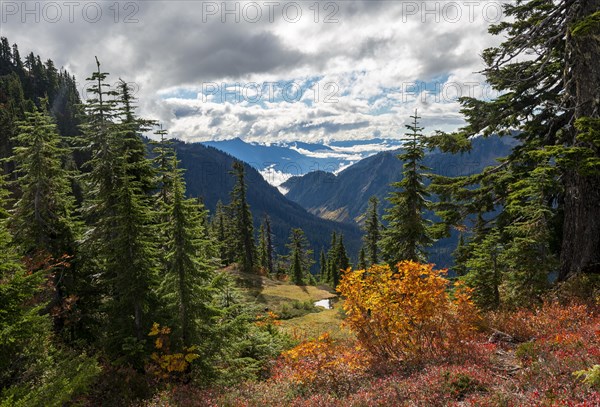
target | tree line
[{"x": 533, "y": 219}]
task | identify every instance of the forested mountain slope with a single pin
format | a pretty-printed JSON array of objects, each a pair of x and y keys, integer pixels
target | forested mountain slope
[
  {"x": 208, "y": 176},
  {"x": 344, "y": 197}
]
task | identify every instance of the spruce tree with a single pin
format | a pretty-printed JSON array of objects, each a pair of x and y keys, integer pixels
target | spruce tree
[
  {"x": 550, "y": 103},
  {"x": 269, "y": 245},
  {"x": 244, "y": 229},
  {"x": 331, "y": 259},
  {"x": 262, "y": 248},
  {"x": 460, "y": 256},
  {"x": 129, "y": 131},
  {"x": 185, "y": 286},
  {"x": 300, "y": 257},
  {"x": 322, "y": 266},
  {"x": 362, "y": 261},
  {"x": 407, "y": 235},
  {"x": 43, "y": 220},
  {"x": 33, "y": 370},
  {"x": 485, "y": 271},
  {"x": 221, "y": 231},
  {"x": 372, "y": 231},
  {"x": 120, "y": 245},
  {"x": 342, "y": 262},
  {"x": 22, "y": 325},
  {"x": 527, "y": 253}
]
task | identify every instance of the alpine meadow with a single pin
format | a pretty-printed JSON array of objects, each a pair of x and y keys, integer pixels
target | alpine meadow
[{"x": 312, "y": 203}]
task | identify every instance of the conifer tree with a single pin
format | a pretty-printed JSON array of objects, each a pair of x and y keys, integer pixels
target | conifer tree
[
  {"x": 186, "y": 283},
  {"x": 342, "y": 262},
  {"x": 245, "y": 248},
  {"x": 163, "y": 157},
  {"x": 362, "y": 261},
  {"x": 128, "y": 131},
  {"x": 527, "y": 254},
  {"x": 407, "y": 235},
  {"x": 550, "y": 104},
  {"x": 300, "y": 257},
  {"x": 21, "y": 323},
  {"x": 120, "y": 246},
  {"x": 262, "y": 248},
  {"x": 269, "y": 245},
  {"x": 33, "y": 371},
  {"x": 372, "y": 231},
  {"x": 43, "y": 215},
  {"x": 331, "y": 259},
  {"x": 322, "y": 266},
  {"x": 485, "y": 267},
  {"x": 130, "y": 269},
  {"x": 460, "y": 255},
  {"x": 221, "y": 227}
]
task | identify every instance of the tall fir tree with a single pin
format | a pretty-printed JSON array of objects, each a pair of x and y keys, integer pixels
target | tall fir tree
[
  {"x": 262, "y": 248},
  {"x": 331, "y": 259},
  {"x": 550, "y": 104},
  {"x": 269, "y": 245},
  {"x": 343, "y": 262},
  {"x": 372, "y": 231},
  {"x": 338, "y": 260},
  {"x": 120, "y": 246},
  {"x": 322, "y": 266},
  {"x": 485, "y": 267},
  {"x": 43, "y": 216},
  {"x": 185, "y": 286},
  {"x": 244, "y": 229},
  {"x": 300, "y": 258},
  {"x": 22, "y": 324},
  {"x": 43, "y": 220},
  {"x": 33, "y": 370},
  {"x": 221, "y": 226},
  {"x": 362, "y": 260},
  {"x": 407, "y": 234}
]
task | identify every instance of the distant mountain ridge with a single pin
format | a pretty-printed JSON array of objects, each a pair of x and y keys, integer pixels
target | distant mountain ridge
[
  {"x": 299, "y": 158},
  {"x": 208, "y": 176},
  {"x": 344, "y": 197}
]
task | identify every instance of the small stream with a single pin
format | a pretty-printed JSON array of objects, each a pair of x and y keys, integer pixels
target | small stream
[{"x": 326, "y": 303}]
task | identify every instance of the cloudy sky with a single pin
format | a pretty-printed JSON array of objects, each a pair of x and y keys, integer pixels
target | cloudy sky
[{"x": 270, "y": 71}]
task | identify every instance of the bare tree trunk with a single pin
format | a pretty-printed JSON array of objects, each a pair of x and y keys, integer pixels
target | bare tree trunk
[{"x": 580, "y": 251}]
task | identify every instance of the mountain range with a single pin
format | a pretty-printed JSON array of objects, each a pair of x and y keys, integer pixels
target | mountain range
[
  {"x": 342, "y": 198},
  {"x": 279, "y": 161},
  {"x": 208, "y": 176}
]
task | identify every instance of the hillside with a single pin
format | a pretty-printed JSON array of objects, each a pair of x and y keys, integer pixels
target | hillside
[
  {"x": 299, "y": 158},
  {"x": 344, "y": 197},
  {"x": 208, "y": 177}
]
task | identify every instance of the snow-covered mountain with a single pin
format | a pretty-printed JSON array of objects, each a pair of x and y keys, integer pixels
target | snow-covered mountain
[{"x": 279, "y": 162}]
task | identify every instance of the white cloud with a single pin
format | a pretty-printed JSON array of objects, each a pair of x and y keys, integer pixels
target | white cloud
[{"x": 363, "y": 64}]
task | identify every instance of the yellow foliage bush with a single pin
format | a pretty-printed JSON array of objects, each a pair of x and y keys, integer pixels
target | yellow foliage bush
[
  {"x": 169, "y": 365},
  {"x": 407, "y": 314}
]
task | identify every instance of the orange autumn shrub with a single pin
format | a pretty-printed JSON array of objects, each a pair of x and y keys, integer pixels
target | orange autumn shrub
[{"x": 407, "y": 314}]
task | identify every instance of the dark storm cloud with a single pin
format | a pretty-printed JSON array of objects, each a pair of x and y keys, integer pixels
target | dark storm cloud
[{"x": 170, "y": 41}]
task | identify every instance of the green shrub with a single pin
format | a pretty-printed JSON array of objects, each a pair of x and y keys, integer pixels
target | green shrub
[{"x": 591, "y": 376}]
